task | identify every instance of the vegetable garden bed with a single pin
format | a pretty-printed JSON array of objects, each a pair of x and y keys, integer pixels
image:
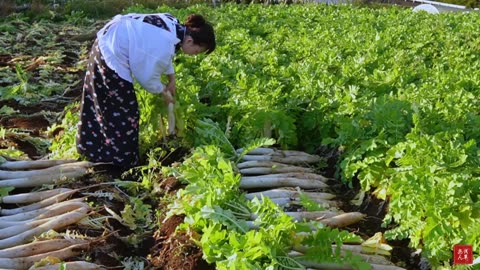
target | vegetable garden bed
[{"x": 384, "y": 98}]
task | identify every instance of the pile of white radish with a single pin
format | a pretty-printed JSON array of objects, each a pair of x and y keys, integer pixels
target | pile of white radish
[
  {"x": 33, "y": 214},
  {"x": 22, "y": 174},
  {"x": 285, "y": 177}
]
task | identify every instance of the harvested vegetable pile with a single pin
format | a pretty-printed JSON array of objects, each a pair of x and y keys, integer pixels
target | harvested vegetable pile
[
  {"x": 61, "y": 209},
  {"x": 63, "y": 212},
  {"x": 25, "y": 218},
  {"x": 288, "y": 180}
]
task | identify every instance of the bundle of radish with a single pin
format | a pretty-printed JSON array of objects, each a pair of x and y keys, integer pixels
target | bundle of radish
[
  {"x": 23, "y": 263},
  {"x": 376, "y": 262},
  {"x": 328, "y": 218},
  {"x": 289, "y": 193},
  {"x": 39, "y": 247},
  {"x": 171, "y": 119},
  {"x": 21, "y": 174},
  {"x": 34, "y": 196},
  {"x": 278, "y": 170},
  {"x": 277, "y": 180}
]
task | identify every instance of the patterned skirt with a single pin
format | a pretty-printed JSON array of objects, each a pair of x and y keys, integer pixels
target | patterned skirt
[{"x": 109, "y": 117}]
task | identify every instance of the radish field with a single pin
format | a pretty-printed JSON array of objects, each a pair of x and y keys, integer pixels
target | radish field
[{"x": 384, "y": 99}]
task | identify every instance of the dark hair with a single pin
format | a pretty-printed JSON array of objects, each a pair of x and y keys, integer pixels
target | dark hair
[{"x": 201, "y": 32}]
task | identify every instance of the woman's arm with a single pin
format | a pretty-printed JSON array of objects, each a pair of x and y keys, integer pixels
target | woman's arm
[
  {"x": 147, "y": 70},
  {"x": 148, "y": 74}
]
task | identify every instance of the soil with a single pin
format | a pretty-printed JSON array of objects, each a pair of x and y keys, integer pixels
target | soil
[
  {"x": 27, "y": 122},
  {"x": 173, "y": 249}
]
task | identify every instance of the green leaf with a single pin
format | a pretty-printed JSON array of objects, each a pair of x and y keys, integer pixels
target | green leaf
[{"x": 4, "y": 191}]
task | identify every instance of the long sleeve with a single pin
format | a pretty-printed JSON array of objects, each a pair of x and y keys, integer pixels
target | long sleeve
[
  {"x": 170, "y": 69},
  {"x": 147, "y": 70}
]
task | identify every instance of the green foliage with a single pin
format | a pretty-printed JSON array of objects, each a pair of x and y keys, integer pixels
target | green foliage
[
  {"x": 309, "y": 204},
  {"x": 153, "y": 121},
  {"x": 18, "y": 91},
  {"x": 137, "y": 215},
  {"x": 275, "y": 124},
  {"x": 213, "y": 208},
  {"x": 64, "y": 145},
  {"x": 152, "y": 118},
  {"x": 395, "y": 91},
  {"x": 384, "y": 86},
  {"x": 5, "y": 190},
  {"x": 434, "y": 192},
  {"x": 12, "y": 153},
  {"x": 320, "y": 248},
  {"x": 206, "y": 132},
  {"x": 77, "y": 18},
  {"x": 149, "y": 174},
  {"x": 96, "y": 9},
  {"x": 109, "y": 8}
]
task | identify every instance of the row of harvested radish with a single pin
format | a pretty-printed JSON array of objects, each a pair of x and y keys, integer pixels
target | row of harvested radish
[
  {"x": 35, "y": 213},
  {"x": 23, "y": 174},
  {"x": 284, "y": 177}
]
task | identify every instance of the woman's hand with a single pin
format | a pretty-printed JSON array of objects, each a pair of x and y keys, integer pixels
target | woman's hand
[
  {"x": 170, "y": 89},
  {"x": 167, "y": 96}
]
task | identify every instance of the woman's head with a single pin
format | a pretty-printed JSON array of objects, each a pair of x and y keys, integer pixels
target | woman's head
[{"x": 199, "y": 36}]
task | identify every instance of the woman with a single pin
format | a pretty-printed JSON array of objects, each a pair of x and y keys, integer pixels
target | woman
[{"x": 132, "y": 46}]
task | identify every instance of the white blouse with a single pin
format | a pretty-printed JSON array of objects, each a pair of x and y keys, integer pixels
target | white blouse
[{"x": 135, "y": 49}]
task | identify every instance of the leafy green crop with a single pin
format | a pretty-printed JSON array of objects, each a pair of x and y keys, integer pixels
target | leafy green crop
[
  {"x": 394, "y": 91},
  {"x": 224, "y": 220},
  {"x": 64, "y": 143}
]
